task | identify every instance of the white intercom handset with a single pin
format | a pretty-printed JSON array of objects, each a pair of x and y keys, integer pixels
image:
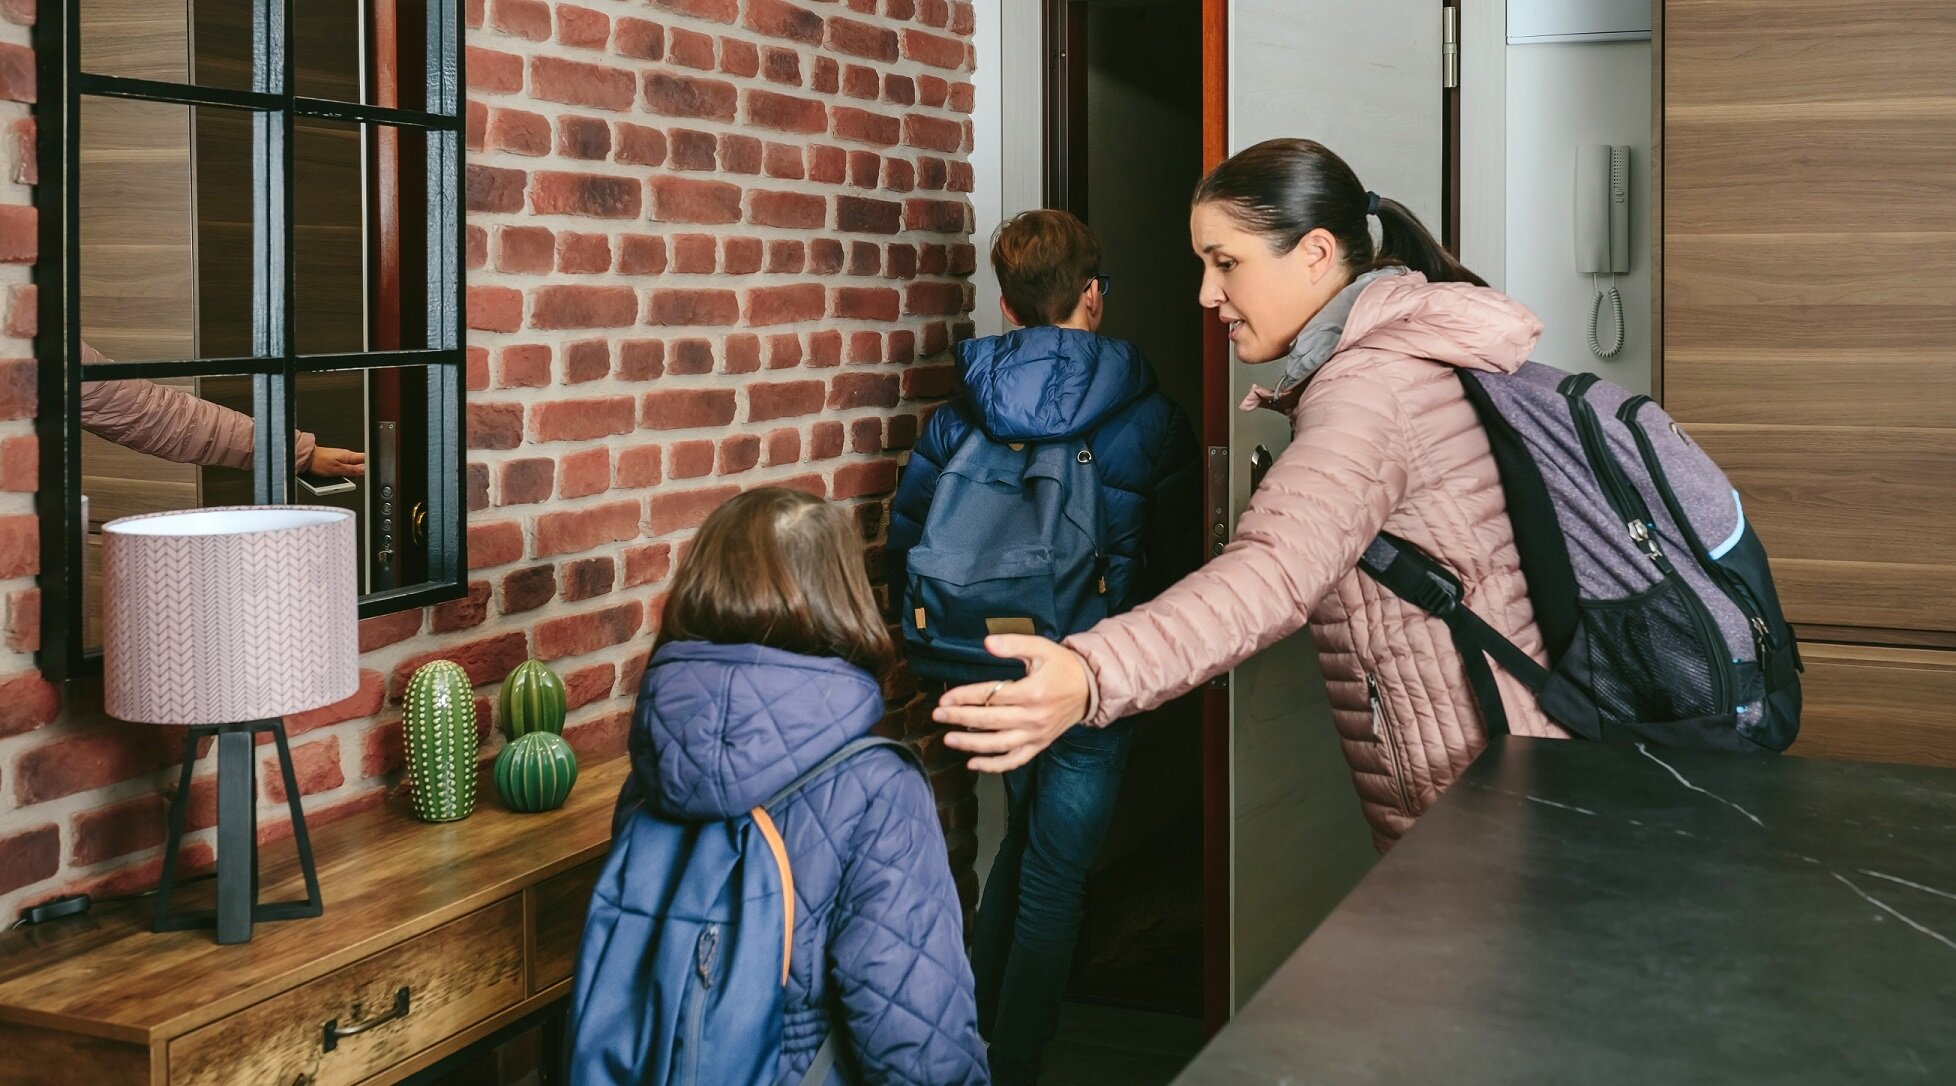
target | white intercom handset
[{"x": 1603, "y": 232}]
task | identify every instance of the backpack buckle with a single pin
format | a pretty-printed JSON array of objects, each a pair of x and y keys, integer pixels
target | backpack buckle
[{"x": 1436, "y": 596}]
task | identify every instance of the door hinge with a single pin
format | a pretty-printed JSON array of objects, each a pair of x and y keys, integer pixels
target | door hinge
[{"x": 1449, "y": 48}]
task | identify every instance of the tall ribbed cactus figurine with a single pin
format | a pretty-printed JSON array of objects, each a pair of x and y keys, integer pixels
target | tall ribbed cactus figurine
[
  {"x": 532, "y": 700},
  {"x": 438, "y": 728},
  {"x": 535, "y": 772}
]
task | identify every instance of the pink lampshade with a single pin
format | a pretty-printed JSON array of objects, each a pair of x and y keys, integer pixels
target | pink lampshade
[{"x": 229, "y": 614}]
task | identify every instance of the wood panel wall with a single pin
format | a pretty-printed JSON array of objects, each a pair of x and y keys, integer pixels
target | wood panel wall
[{"x": 1808, "y": 319}]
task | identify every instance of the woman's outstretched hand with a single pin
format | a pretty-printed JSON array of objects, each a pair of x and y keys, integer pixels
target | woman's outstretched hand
[{"x": 1010, "y": 723}]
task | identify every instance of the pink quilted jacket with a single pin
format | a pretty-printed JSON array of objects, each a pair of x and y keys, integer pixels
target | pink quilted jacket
[
  {"x": 1385, "y": 438},
  {"x": 170, "y": 423}
]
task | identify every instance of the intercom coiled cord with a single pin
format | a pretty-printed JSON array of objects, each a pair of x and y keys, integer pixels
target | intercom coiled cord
[{"x": 1615, "y": 301}]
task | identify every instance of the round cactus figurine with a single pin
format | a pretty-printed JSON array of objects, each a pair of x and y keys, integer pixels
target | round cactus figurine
[
  {"x": 438, "y": 729},
  {"x": 535, "y": 772},
  {"x": 532, "y": 700}
]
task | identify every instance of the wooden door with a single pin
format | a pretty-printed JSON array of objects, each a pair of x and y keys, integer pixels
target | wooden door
[{"x": 1808, "y": 331}]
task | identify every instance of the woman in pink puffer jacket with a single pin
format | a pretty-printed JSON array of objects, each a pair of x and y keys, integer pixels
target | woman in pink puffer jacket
[
  {"x": 1385, "y": 439},
  {"x": 174, "y": 425}
]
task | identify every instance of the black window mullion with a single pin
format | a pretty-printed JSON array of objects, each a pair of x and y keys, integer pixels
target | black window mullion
[
  {"x": 272, "y": 286},
  {"x": 183, "y": 367},
  {"x": 58, "y": 502},
  {"x": 373, "y": 360},
  {"x": 447, "y": 459},
  {"x": 356, "y": 113},
  {"x": 183, "y": 94}
]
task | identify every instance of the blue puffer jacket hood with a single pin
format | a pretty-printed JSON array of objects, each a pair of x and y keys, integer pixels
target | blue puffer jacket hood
[
  {"x": 723, "y": 727},
  {"x": 1047, "y": 383}
]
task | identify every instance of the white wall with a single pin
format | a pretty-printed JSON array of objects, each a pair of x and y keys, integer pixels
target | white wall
[
  {"x": 1007, "y": 155},
  {"x": 1557, "y": 97},
  {"x": 1007, "y": 164}
]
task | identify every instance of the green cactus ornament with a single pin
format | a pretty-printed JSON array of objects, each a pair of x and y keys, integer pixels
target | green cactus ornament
[
  {"x": 535, "y": 772},
  {"x": 532, "y": 700},
  {"x": 438, "y": 729}
]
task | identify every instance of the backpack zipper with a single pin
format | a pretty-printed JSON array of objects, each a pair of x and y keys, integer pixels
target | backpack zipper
[
  {"x": 1734, "y": 588},
  {"x": 1629, "y": 505},
  {"x": 1382, "y": 731},
  {"x": 705, "y": 951}
]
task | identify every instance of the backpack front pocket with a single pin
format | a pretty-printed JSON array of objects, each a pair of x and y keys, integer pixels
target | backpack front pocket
[{"x": 958, "y": 599}]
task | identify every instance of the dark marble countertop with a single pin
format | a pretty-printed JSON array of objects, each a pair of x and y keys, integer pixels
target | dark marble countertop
[{"x": 1578, "y": 913}]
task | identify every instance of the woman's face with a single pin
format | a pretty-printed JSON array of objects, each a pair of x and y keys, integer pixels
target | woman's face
[{"x": 1265, "y": 298}]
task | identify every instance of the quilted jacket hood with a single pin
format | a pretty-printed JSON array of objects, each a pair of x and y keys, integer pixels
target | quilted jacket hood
[
  {"x": 1046, "y": 383},
  {"x": 723, "y": 727}
]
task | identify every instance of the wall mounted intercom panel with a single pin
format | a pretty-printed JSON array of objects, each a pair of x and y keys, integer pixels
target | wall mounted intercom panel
[{"x": 1602, "y": 233}]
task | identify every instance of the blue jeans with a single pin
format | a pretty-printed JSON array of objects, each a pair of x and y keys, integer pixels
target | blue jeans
[{"x": 1058, "y": 809}]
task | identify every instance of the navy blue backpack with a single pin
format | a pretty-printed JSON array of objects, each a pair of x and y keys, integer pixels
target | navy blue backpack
[
  {"x": 1014, "y": 543},
  {"x": 683, "y": 967}
]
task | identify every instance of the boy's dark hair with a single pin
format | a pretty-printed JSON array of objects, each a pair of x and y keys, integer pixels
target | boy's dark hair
[
  {"x": 1044, "y": 260},
  {"x": 780, "y": 568}
]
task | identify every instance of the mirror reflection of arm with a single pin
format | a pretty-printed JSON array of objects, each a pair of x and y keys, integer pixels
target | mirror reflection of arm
[{"x": 174, "y": 425}]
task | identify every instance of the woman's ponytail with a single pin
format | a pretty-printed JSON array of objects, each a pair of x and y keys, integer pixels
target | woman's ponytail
[
  {"x": 1284, "y": 189},
  {"x": 1403, "y": 239}
]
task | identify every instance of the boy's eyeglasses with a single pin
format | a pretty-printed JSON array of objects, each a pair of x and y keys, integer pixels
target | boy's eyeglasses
[{"x": 1106, "y": 284}]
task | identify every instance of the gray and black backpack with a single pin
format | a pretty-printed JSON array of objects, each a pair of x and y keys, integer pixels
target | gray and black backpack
[{"x": 1653, "y": 594}]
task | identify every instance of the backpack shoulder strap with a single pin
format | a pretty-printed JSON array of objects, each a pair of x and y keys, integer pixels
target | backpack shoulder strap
[
  {"x": 1413, "y": 576},
  {"x": 764, "y": 821},
  {"x": 818, "y": 1072},
  {"x": 847, "y": 751}
]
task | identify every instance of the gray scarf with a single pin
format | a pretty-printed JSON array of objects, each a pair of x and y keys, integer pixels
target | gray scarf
[{"x": 1320, "y": 337}]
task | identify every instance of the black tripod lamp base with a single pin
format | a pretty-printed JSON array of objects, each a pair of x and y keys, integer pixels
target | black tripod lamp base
[{"x": 238, "y": 907}]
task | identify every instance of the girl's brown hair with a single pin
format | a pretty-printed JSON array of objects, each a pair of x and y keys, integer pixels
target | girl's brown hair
[{"x": 780, "y": 568}]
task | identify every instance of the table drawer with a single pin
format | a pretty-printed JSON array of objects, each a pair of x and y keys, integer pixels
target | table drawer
[
  {"x": 557, "y": 906},
  {"x": 455, "y": 976}
]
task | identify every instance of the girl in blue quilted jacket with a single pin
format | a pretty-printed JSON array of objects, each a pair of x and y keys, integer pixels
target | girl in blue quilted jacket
[{"x": 770, "y": 658}]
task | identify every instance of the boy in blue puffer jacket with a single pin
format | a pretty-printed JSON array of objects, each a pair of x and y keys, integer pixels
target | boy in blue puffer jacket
[
  {"x": 768, "y": 661},
  {"x": 1055, "y": 378}
]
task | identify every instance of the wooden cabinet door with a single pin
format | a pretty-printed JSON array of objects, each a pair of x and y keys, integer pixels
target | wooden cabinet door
[{"x": 1808, "y": 324}]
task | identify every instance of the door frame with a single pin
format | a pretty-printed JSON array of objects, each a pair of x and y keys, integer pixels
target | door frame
[{"x": 1216, "y": 808}]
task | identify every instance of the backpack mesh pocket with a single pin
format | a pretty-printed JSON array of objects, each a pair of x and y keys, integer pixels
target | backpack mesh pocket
[{"x": 1649, "y": 657}]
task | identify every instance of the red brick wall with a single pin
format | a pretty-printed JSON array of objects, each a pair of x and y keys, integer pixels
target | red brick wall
[{"x": 713, "y": 244}]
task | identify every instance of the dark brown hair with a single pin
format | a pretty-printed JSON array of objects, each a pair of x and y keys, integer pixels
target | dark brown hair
[
  {"x": 780, "y": 568},
  {"x": 1284, "y": 189},
  {"x": 1044, "y": 260}
]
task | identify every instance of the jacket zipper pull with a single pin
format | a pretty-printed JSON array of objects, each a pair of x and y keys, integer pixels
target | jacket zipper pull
[
  {"x": 1372, "y": 696},
  {"x": 704, "y": 953}
]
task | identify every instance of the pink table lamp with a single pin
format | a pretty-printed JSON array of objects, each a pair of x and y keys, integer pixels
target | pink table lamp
[{"x": 225, "y": 620}]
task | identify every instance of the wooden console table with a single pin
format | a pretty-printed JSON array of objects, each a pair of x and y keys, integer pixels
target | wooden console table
[{"x": 435, "y": 938}]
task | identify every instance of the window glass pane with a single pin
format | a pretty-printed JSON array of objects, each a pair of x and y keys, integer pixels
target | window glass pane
[
  {"x": 153, "y": 446},
  {"x": 206, "y": 42},
  {"x": 376, "y": 57},
  {"x": 360, "y": 237},
  {"x": 329, "y": 236},
  {"x": 166, "y": 230},
  {"x": 369, "y": 428}
]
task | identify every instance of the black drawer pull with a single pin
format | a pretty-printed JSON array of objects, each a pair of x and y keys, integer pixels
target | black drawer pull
[{"x": 334, "y": 1031}]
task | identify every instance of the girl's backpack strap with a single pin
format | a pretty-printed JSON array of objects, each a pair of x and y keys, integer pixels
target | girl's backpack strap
[{"x": 848, "y": 751}]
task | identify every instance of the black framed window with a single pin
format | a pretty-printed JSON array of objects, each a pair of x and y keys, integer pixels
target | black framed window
[{"x": 251, "y": 264}]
